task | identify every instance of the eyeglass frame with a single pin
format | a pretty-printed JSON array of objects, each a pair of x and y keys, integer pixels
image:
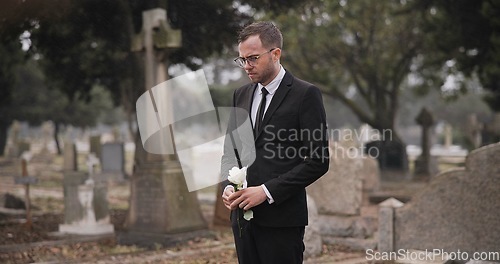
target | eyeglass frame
[{"x": 251, "y": 60}]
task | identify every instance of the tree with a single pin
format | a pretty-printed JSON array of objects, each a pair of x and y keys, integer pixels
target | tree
[
  {"x": 359, "y": 52},
  {"x": 34, "y": 102},
  {"x": 10, "y": 58},
  {"x": 84, "y": 43},
  {"x": 467, "y": 34}
]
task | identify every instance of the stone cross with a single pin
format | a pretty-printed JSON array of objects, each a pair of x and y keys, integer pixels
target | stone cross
[
  {"x": 425, "y": 120},
  {"x": 161, "y": 207},
  {"x": 423, "y": 164}
]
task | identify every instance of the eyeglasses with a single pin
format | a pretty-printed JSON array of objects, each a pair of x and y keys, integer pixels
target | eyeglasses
[{"x": 240, "y": 61}]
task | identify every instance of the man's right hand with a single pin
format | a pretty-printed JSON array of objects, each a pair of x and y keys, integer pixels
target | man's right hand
[{"x": 225, "y": 196}]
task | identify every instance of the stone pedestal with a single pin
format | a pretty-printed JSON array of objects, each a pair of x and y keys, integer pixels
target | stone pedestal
[
  {"x": 161, "y": 206},
  {"x": 221, "y": 213}
]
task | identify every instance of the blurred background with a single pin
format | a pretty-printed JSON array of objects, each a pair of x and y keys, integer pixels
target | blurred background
[{"x": 390, "y": 72}]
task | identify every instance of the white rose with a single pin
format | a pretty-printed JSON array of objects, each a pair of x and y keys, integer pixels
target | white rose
[{"x": 237, "y": 176}]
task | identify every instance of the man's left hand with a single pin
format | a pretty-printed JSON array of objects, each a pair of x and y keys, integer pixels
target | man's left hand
[{"x": 248, "y": 198}]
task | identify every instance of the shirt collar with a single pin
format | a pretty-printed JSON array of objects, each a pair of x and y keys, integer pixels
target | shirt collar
[{"x": 274, "y": 84}]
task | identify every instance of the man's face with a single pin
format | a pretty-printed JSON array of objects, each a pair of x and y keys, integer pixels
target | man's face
[{"x": 265, "y": 68}]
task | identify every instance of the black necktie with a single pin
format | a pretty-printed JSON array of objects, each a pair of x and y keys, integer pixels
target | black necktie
[{"x": 260, "y": 111}]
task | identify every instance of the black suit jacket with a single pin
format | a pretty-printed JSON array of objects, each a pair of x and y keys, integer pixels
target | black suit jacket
[{"x": 291, "y": 151}]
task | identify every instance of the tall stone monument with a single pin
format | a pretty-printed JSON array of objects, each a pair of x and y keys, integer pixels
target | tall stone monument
[
  {"x": 162, "y": 210},
  {"x": 425, "y": 165}
]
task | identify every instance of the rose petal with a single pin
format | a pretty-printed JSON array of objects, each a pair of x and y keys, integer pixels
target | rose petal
[{"x": 248, "y": 215}]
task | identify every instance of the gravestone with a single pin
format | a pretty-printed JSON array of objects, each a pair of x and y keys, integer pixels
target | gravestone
[
  {"x": 12, "y": 149},
  {"x": 338, "y": 196},
  {"x": 386, "y": 224},
  {"x": 339, "y": 191},
  {"x": 85, "y": 203},
  {"x": 113, "y": 161},
  {"x": 70, "y": 157},
  {"x": 312, "y": 235},
  {"x": 391, "y": 156},
  {"x": 458, "y": 210},
  {"x": 162, "y": 210},
  {"x": 22, "y": 146},
  {"x": 95, "y": 145},
  {"x": 44, "y": 155},
  {"x": 425, "y": 165}
]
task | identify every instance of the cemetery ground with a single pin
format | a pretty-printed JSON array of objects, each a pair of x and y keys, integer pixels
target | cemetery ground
[{"x": 43, "y": 244}]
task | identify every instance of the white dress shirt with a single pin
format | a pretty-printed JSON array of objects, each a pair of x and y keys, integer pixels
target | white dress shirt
[{"x": 271, "y": 87}]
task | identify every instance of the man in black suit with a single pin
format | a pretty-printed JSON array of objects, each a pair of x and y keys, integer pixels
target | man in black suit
[{"x": 291, "y": 152}]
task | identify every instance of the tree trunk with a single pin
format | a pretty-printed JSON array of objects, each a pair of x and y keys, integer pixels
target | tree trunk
[{"x": 4, "y": 127}]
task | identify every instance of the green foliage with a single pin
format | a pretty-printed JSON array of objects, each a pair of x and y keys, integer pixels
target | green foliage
[
  {"x": 468, "y": 33},
  {"x": 83, "y": 46},
  {"x": 360, "y": 52},
  {"x": 34, "y": 102}
]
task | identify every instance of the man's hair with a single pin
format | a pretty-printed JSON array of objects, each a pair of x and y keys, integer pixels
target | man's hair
[{"x": 269, "y": 34}]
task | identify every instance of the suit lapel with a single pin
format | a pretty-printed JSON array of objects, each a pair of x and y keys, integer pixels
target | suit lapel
[{"x": 278, "y": 97}]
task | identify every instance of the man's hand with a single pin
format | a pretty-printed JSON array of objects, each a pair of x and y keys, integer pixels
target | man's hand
[
  {"x": 246, "y": 198},
  {"x": 225, "y": 196}
]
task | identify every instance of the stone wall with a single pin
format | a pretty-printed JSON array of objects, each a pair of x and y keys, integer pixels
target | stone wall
[{"x": 459, "y": 210}]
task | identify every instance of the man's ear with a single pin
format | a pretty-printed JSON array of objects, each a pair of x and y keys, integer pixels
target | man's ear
[{"x": 276, "y": 54}]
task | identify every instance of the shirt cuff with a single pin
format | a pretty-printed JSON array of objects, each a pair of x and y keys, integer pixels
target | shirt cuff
[{"x": 270, "y": 199}]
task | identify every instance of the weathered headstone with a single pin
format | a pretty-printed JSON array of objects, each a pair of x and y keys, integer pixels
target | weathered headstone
[
  {"x": 95, "y": 145},
  {"x": 312, "y": 235},
  {"x": 338, "y": 197},
  {"x": 392, "y": 158},
  {"x": 339, "y": 191},
  {"x": 43, "y": 154},
  {"x": 12, "y": 150},
  {"x": 85, "y": 203},
  {"x": 22, "y": 146},
  {"x": 70, "y": 157},
  {"x": 458, "y": 210},
  {"x": 386, "y": 224},
  {"x": 162, "y": 210},
  {"x": 113, "y": 161},
  {"x": 425, "y": 165}
]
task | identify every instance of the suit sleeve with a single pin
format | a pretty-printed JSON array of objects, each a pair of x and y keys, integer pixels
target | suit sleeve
[
  {"x": 312, "y": 119},
  {"x": 229, "y": 159}
]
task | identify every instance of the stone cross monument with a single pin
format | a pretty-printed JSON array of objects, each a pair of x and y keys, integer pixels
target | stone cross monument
[
  {"x": 425, "y": 165},
  {"x": 161, "y": 208}
]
